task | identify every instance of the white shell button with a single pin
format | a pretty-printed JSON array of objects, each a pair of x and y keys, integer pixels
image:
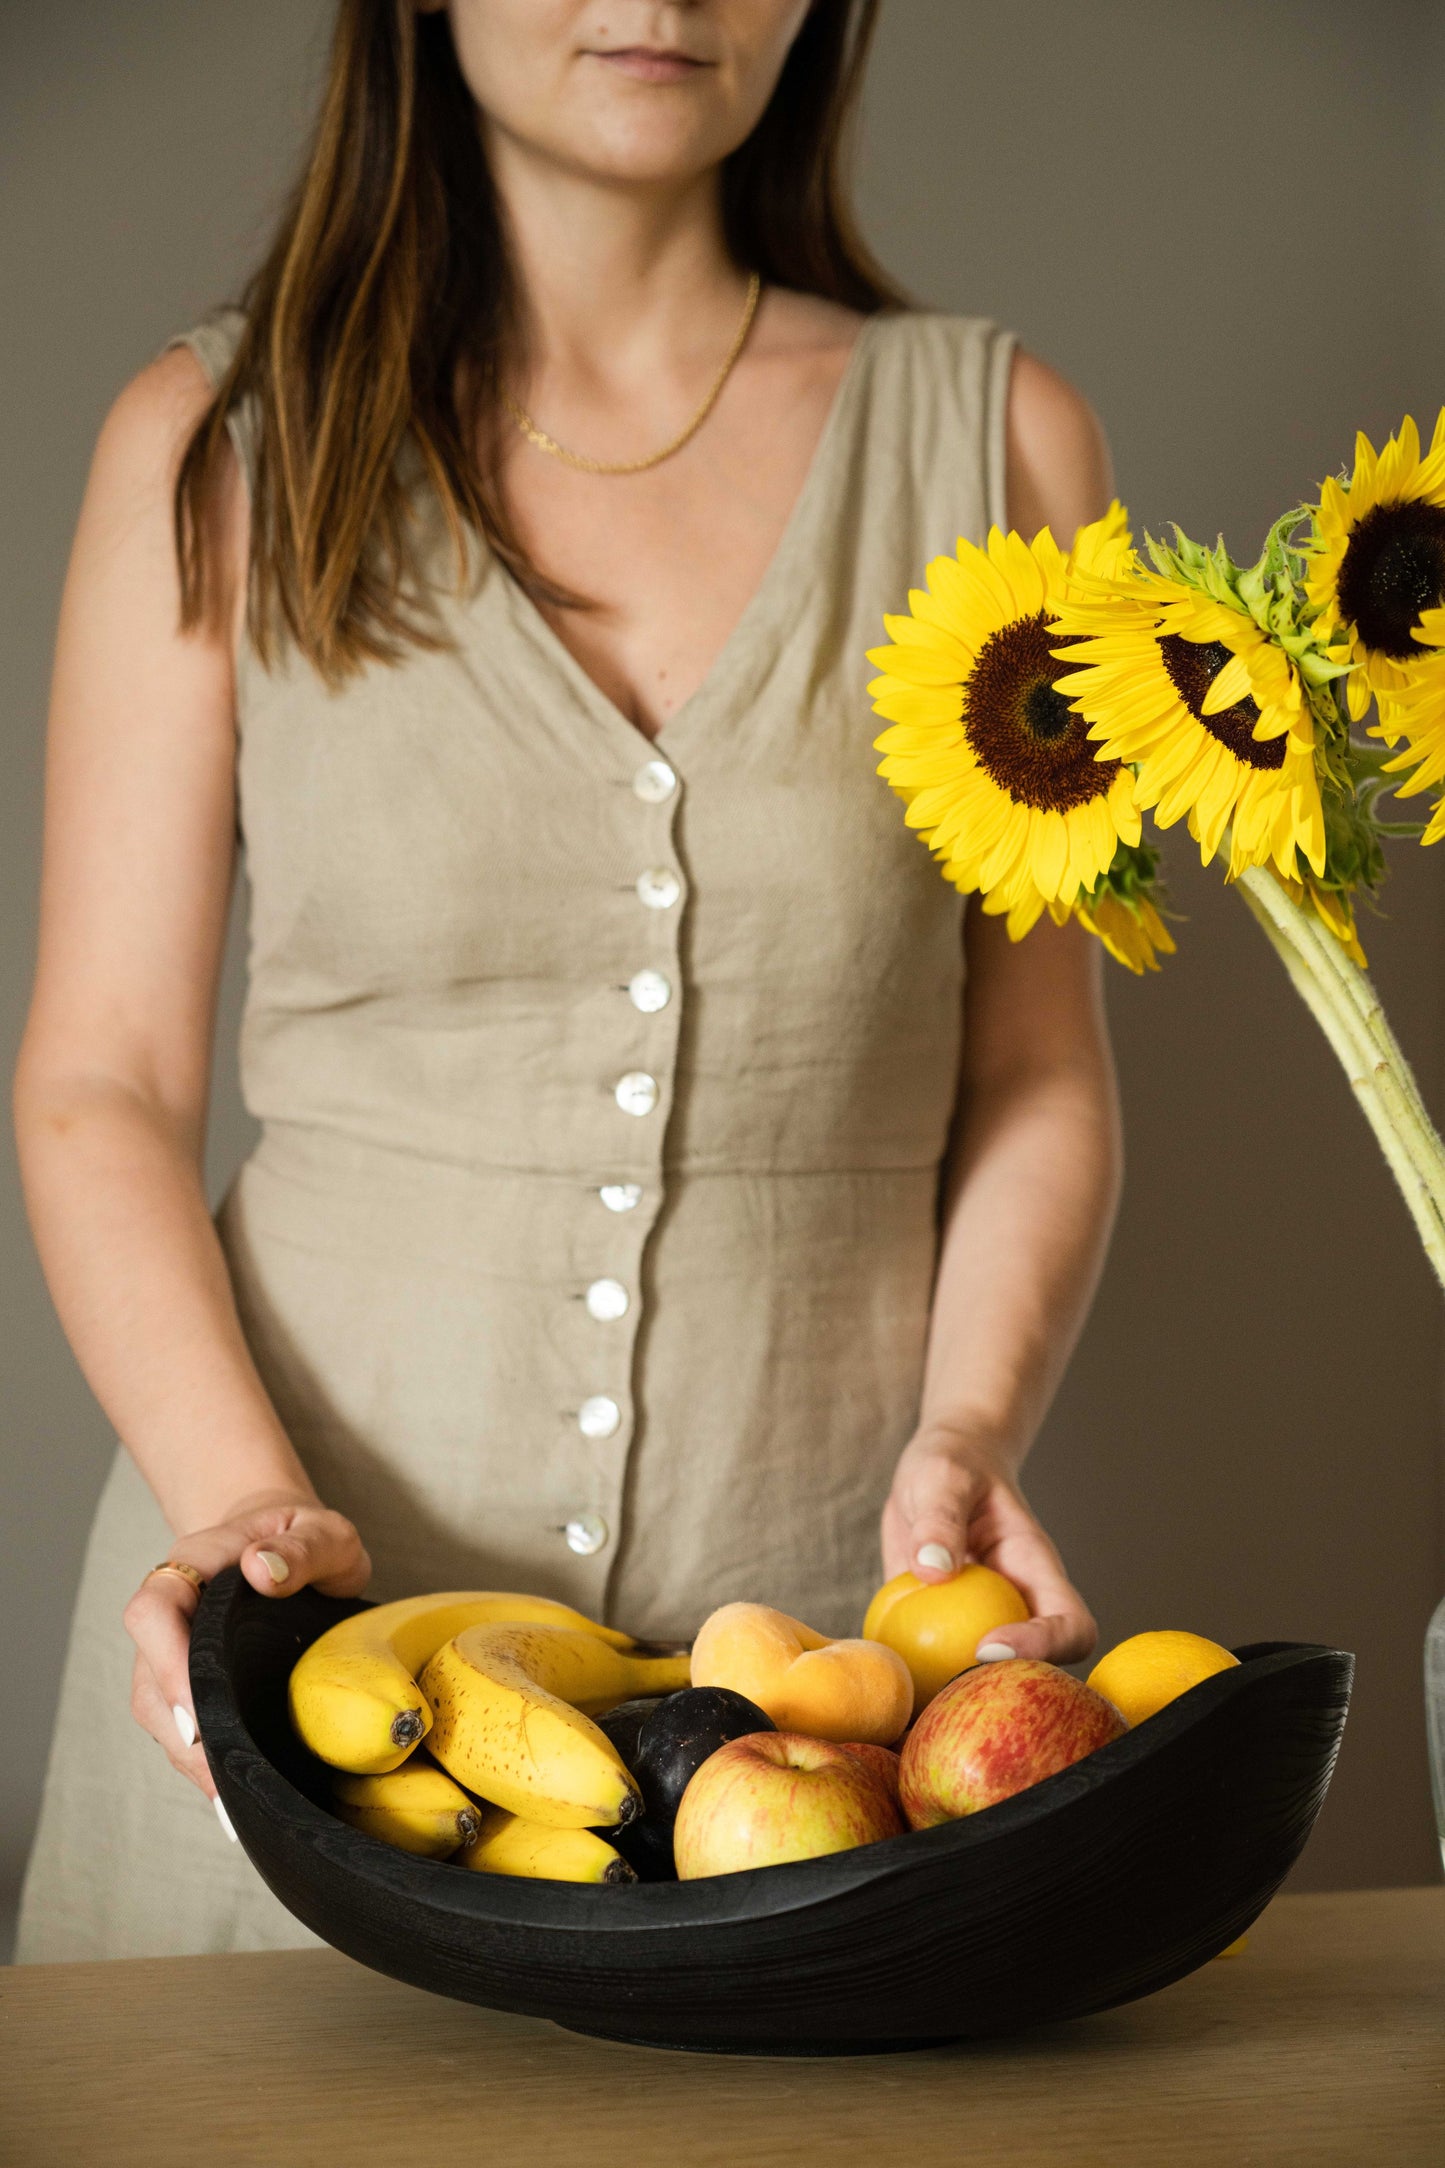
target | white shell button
[
  {"x": 598, "y": 1417},
  {"x": 659, "y": 888},
  {"x": 636, "y": 1092},
  {"x": 654, "y": 782},
  {"x": 621, "y": 1196},
  {"x": 585, "y": 1534},
  {"x": 649, "y": 991},
  {"x": 606, "y": 1300}
]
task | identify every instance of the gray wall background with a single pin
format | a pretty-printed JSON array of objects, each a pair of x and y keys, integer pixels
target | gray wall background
[{"x": 1224, "y": 222}]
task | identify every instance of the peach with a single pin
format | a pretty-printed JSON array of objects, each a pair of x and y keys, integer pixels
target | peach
[
  {"x": 836, "y": 1690},
  {"x": 936, "y": 1626}
]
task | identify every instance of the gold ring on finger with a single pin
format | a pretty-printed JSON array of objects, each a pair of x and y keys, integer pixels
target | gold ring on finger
[{"x": 187, "y": 1573}]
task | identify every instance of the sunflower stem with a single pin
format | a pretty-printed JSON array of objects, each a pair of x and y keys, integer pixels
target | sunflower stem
[
  {"x": 1396, "y": 1074},
  {"x": 1360, "y": 1011},
  {"x": 1347, "y": 1009}
]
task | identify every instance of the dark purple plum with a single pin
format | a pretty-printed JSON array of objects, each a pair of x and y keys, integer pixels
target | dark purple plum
[
  {"x": 623, "y": 1725},
  {"x": 676, "y": 1739},
  {"x": 664, "y": 1742}
]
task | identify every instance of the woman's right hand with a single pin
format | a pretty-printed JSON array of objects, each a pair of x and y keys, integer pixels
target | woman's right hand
[{"x": 281, "y": 1543}]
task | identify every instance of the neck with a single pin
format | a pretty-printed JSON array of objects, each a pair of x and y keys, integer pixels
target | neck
[{"x": 618, "y": 285}]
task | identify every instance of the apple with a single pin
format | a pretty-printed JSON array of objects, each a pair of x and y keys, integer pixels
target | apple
[
  {"x": 994, "y": 1731},
  {"x": 882, "y": 1759},
  {"x": 776, "y": 1795}
]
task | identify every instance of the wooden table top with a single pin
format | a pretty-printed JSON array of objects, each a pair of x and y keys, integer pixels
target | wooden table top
[{"x": 1321, "y": 2046}]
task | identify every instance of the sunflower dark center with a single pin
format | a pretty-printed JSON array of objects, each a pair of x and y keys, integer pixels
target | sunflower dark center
[
  {"x": 1024, "y": 733},
  {"x": 1392, "y": 569},
  {"x": 1193, "y": 665},
  {"x": 1047, "y": 712}
]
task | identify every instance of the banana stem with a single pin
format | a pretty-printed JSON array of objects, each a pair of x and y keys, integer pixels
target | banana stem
[{"x": 1347, "y": 1009}]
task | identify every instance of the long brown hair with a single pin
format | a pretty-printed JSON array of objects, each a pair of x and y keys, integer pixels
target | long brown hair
[{"x": 382, "y": 320}]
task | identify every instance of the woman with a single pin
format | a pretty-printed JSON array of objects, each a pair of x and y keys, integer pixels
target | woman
[{"x": 661, "y": 1171}]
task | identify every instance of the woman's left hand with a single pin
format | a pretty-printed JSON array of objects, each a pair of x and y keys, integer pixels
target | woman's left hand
[{"x": 952, "y": 1503}]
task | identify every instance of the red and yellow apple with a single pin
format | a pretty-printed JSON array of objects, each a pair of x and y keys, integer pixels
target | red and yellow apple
[
  {"x": 994, "y": 1731},
  {"x": 882, "y": 1760},
  {"x": 775, "y": 1795}
]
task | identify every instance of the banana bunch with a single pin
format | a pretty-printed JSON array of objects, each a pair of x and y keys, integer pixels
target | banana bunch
[
  {"x": 417, "y": 1808},
  {"x": 506, "y": 1844},
  {"x": 511, "y": 1719},
  {"x": 503, "y": 1688},
  {"x": 353, "y": 1694}
]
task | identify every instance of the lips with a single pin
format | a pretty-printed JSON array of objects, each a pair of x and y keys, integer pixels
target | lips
[{"x": 652, "y": 64}]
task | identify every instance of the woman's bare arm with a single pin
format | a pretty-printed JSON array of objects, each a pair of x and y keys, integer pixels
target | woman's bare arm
[
  {"x": 111, "y": 1087},
  {"x": 1034, "y": 1175}
]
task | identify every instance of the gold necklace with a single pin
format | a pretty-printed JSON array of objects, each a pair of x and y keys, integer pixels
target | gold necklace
[{"x": 544, "y": 443}]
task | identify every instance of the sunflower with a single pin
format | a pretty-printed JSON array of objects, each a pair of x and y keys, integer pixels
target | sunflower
[
  {"x": 1416, "y": 713},
  {"x": 993, "y": 764},
  {"x": 1209, "y": 710},
  {"x": 1122, "y": 910},
  {"x": 1134, "y": 934},
  {"x": 1378, "y": 561}
]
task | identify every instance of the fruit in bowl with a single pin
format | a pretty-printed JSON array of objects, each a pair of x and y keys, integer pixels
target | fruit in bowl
[
  {"x": 776, "y": 1795},
  {"x": 417, "y": 1808},
  {"x": 353, "y": 1695},
  {"x": 825, "y": 1689},
  {"x": 882, "y": 1760},
  {"x": 994, "y": 1731},
  {"x": 539, "y": 1852},
  {"x": 936, "y": 1626},
  {"x": 664, "y": 1744},
  {"x": 1148, "y": 1671},
  {"x": 589, "y": 1758},
  {"x": 510, "y": 1720}
]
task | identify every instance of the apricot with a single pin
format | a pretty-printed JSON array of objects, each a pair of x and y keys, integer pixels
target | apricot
[
  {"x": 838, "y": 1690},
  {"x": 935, "y": 1626}
]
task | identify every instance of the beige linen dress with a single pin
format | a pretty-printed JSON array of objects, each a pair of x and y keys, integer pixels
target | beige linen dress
[{"x": 603, "y": 1085}]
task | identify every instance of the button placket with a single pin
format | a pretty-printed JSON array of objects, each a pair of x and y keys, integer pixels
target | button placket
[{"x": 626, "y": 1195}]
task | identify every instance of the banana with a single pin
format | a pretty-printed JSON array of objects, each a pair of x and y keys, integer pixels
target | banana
[
  {"x": 506, "y": 1844},
  {"x": 419, "y": 1809},
  {"x": 353, "y": 1694},
  {"x": 511, "y": 1709}
]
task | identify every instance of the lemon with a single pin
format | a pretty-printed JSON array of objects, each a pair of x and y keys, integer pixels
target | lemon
[
  {"x": 1148, "y": 1670},
  {"x": 936, "y": 1625}
]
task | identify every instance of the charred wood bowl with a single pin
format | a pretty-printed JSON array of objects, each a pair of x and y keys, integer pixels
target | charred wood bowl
[{"x": 1104, "y": 1883}]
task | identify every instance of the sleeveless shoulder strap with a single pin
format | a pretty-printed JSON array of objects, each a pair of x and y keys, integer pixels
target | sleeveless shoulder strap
[
  {"x": 943, "y": 385},
  {"x": 214, "y": 342}
]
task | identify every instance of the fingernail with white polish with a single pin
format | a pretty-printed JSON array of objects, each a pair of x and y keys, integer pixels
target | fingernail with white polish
[
  {"x": 185, "y": 1724},
  {"x": 993, "y": 1652},
  {"x": 224, "y": 1819},
  {"x": 275, "y": 1565},
  {"x": 937, "y": 1557}
]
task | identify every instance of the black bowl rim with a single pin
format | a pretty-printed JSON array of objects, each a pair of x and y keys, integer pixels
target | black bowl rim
[{"x": 238, "y": 1763}]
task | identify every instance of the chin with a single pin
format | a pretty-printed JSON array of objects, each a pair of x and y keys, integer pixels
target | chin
[{"x": 645, "y": 135}]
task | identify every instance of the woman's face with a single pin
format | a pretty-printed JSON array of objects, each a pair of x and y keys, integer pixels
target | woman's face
[{"x": 643, "y": 91}]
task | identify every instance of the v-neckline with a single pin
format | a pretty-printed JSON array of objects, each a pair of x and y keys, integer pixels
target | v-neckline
[{"x": 764, "y": 601}]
